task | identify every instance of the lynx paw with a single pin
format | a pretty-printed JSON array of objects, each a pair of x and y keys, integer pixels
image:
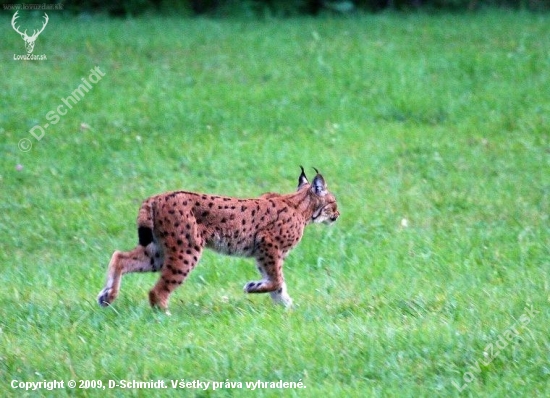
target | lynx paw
[
  {"x": 105, "y": 297},
  {"x": 254, "y": 287},
  {"x": 280, "y": 296}
]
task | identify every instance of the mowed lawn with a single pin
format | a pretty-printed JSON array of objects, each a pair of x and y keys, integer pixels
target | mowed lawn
[{"x": 432, "y": 132}]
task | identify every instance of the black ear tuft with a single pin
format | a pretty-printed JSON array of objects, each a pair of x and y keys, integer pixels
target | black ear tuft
[{"x": 302, "y": 180}]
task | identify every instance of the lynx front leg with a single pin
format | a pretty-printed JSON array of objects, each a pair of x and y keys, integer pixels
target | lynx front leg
[
  {"x": 280, "y": 296},
  {"x": 271, "y": 268},
  {"x": 141, "y": 259}
]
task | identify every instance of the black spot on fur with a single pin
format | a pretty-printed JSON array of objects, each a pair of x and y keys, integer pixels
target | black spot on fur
[{"x": 145, "y": 236}]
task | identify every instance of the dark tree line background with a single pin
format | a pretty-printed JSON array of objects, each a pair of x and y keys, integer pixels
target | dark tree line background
[{"x": 280, "y": 7}]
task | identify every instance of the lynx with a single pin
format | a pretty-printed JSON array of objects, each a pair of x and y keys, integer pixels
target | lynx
[{"x": 175, "y": 227}]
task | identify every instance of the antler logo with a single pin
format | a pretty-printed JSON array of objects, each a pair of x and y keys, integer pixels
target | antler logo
[{"x": 29, "y": 40}]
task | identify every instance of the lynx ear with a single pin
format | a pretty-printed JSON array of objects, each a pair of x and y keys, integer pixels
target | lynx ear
[
  {"x": 302, "y": 180},
  {"x": 319, "y": 186}
]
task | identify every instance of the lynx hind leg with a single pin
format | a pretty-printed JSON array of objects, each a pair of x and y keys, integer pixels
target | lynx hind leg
[
  {"x": 179, "y": 262},
  {"x": 141, "y": 259}
]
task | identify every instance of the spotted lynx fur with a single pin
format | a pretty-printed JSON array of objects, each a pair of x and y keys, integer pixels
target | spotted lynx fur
[{"x": 175, "y": 227}]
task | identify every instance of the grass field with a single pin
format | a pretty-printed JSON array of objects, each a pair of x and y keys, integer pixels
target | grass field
[{"x": 432, "y": 131}]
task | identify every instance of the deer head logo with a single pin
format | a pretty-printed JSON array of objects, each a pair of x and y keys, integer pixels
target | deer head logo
[{"x": 29, "y": 40}]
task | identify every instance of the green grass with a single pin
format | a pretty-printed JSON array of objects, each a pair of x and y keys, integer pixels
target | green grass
[{"x": 433, "y": 132}]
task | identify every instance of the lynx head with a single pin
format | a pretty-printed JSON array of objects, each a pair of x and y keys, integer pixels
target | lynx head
[{"x": 325, "y": 209}]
